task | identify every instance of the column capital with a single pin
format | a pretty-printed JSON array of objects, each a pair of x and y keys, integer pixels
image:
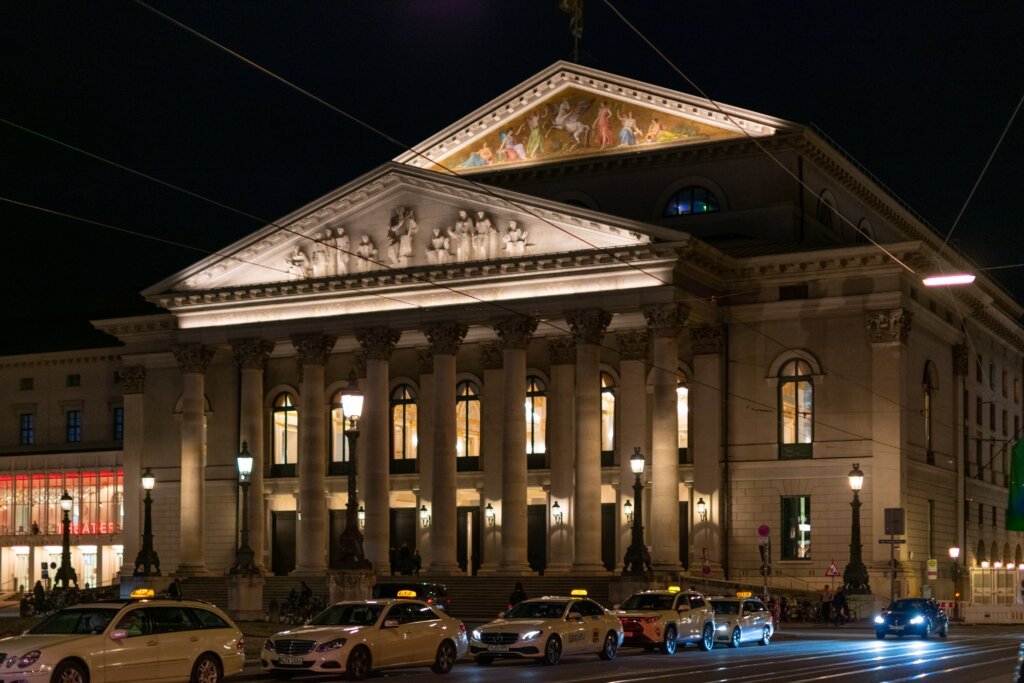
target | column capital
[
  {"x": 588, "y": 325},
  {"x": 632, "y": 344},
  {"x": 133, "y": 379},
  {"x": 515, "y": 331},
  {"x": 193, "y": 357},
  {"x": 312, "y": 349},
  {"x": 708, "y": 338},
  {"x": 888, "y": 327},
  {"x": 252, "y": 353},
  {"x": 666, "y": 320},
  {"x": 425, "y": 361},
  {"x": 378, "y": 342},
  {"x": 359, "y": 364},
  {"x": 494, "y": 359},
  {"x": 961, "y": 358},
  {"x": 445, "y": 338},
  {"x": 562, "y": 351}
]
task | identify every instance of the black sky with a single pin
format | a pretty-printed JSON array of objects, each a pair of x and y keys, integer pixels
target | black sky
[{"x": 918, "y": 92}]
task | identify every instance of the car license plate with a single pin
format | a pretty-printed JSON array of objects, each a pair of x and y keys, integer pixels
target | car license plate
[
  {"x": 896, "y": 628},
  {"x": 290, "y": 661},
  {"x": 497, "y": 648}
]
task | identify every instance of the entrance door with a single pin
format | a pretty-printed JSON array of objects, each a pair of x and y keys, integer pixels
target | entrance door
[
  {"x": 608, "y": 531},
  {"x": 468, "y": 541},
  {"x": 684, "y": 534},
  {"x": 537, "y": 537},
  {"x": 403, "y": 537},
  {"x": 283, "y": 543}
]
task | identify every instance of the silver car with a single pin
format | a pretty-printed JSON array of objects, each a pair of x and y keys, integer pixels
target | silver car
[{"x": 742, "y": 619}]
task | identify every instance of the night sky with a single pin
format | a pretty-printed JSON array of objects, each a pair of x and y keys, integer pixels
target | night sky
[{"x": 918, "y": 92}]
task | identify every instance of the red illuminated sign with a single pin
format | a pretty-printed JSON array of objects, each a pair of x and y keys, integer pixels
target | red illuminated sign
[{"x": 78, "y": 529}]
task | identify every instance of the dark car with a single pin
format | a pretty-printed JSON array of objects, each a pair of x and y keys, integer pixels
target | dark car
[
  {"x": 431, "y": 593},
  {"x": 1019, "y": 678},
  {"x": 912, "y": 616}
]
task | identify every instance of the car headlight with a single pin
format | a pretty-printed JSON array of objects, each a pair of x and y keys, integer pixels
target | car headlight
[
  {"x": 331, "y": 645},
  {"x": 268, "y": 644},
  {"x": 28, "y": 659},
  {"x": 917, "y": 620},
  {"x": 530, "y": 635},
  {"x": 879, "y": 619},
  {"x": 477, "y": 634},
  {"x": 724, "y": 626}
]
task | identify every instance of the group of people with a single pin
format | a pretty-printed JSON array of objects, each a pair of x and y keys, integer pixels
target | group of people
[
  {"x": 405, "y": 562},
  {"x": 834, "y": 607}
]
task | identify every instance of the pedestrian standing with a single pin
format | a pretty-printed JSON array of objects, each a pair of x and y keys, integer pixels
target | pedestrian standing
[
  {"x": 517, "y": 596},
  {"x": 826, "y": 604},
  {"x": 174, "y": 590}
]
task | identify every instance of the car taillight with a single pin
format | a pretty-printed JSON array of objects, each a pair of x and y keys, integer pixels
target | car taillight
[{"x": 240, "y": 645}]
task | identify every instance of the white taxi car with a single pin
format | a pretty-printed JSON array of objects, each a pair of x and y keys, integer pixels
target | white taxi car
[
  {"x": 666, "y": 618},
  {"x": 360, "y": 637},
  {"x": 139, "y": 640},
  {"x": 741, "y": 619},
  {"x": 546, "y": 628}
]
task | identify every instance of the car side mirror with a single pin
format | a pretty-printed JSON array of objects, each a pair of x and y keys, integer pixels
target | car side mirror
[
  {"x": 119, "y": 634},
  {"x": 575, "y": 615},
  {"x": 391, "y": 623}
]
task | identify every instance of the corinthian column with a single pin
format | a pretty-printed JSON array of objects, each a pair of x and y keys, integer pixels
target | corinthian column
[
  {"x": 562, "y": 449},
  {"x": 378, "y": 344},
  {"x": 631, "y": 414},
  {"x": 490, "y": 454},
  {"x": 311, "y": 351},
  {"x": 425, "y": 449},
  {"x": 514, "y": 332},
  {"x": 445, "y": 339},
  {"x": 666, "y": 324},
  {"x": 133, "y": 382},
  {"x": 588, "y": 328},
  {"x": 251, "y": 356},
  {"x": 193, "y": 359}
]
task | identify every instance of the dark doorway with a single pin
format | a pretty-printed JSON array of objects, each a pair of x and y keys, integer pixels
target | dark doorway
[
  {"x": 684, "y": 534},
  {"x": 283, "y": 542},
  {"x": 608, "y": 531},
  {"x": 403, "y": 538},
  {"x": 537, "y": 537},
  {"x": 467, "y": 546}
]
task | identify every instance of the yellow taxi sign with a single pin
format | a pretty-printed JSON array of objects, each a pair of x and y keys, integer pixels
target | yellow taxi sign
[
  {"x": 406, "y": 594},
  {"x": 579, "y": 593},
  {"x": 139, "y": 593},
  {"x": 744, "y": 594},
  {"x": 674, "y": 589}
]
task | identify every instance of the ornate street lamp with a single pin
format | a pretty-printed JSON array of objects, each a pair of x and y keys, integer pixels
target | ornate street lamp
[
  {"x": 855, "y": 576},
  {"x": 245, "y": 564},
  {"x": 702, "y": 510},
  {"x": 489, "y": 514},
  {"x": 637, "y": 561},
  {"x": 146, "y": 562},
  {"x": 351, "y": 554},
  {"x": 954, "y": 554},
  {"x": 424, "y": 516},
  {"x": 66, "y": 573},
  {"x": 556, "y": 513}
]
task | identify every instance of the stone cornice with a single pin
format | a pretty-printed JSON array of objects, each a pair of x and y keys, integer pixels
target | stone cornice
[
  {"x": 39, "y": 360},
  {"x": 140, "y": 328}
]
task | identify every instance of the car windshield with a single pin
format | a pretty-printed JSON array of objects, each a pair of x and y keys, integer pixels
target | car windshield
[
  {"x": 539, "y": 609},
  {"x": 907, "y": 605},
  {"x": 353, "y": 614},
  {"x": 725, "y": 606},
  {"x": 76, "y": 621},
  {"x": 648, "y": 601}
]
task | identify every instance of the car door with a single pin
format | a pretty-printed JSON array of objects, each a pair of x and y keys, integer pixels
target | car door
[
  {"x": 393, "y": 641},
  {"x": 748, "y": 619},
  {"x": 180, "y": 640},
  {"x": 762, "y": 616},
  {"x": 425, "y": 632},
  {"x": 684, "y": 618},
  {"x": 700, "y": 611},
  {"x": 136, "y": 656},
  {"x": 596, "y": 625},
  {"x": 574, "y": 639}
]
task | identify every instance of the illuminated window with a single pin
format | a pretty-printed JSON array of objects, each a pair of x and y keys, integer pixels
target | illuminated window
[
  {"x": 403, "y": 423},
  {"x": 74, "y": 426},
  {"x": 339, "y": 444},
  {"x": 796, "y": 409},
  {"x": 467, "y": 420},
  {"x": 683, "y": 413},
  {"x": 607, "y": 413},
  {"x": 536, "y": 416},
  {"x": 691, "y": 200},
  {"x": 286, "y": 430},
  {"x": 796, "y": 527}
]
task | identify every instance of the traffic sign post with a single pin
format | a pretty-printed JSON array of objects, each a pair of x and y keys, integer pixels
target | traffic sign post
[
  {"x": 893, "y": 543},
  {"x": 832, "y": 572}
]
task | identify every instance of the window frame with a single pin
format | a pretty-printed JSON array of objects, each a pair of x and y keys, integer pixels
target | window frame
[
  {"x": 710, "y": 202},
  {"x": 536, "y": 392},
  {"x": 796, "y": 449},
  {"x": 608, "y": 389},
  {"x": 26, "y": 428},
  {"x": 73, "y": 425},
  {"x": 118, "y": 423},
  {"x": 406, "y": 464},
  {"x": 288, "y": 467},
  {"x": 467, "y": 392},
  {"x": 789, "y": 551}
]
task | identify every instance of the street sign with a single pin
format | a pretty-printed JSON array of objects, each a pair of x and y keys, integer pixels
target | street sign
[
  {"x": 832, "y": 570},
  {"x": 764, "y": 531},
  {"x": 933, "y": 569},
  {"x": 894, "y": 541},
  {"x": 895, "y": 522}
]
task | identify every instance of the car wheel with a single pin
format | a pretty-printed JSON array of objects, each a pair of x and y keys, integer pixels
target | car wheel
[
  {"x": 944, "y": 629},
  {"x": 880, "y": 635},
  {"x": 70, "y": 672},
  {"x": 552, "y": 651},
  {"x": 927, "y": 629},
  {"x": 766, "y": 635},
  {"x": 610, "y": 647},
  {"x": 707, "y": 638},
  {"x": 669, "y": 646},
  {"x": 484, "y": 660},
  {"x": 359, "y": 664},
  {"x": 444, "y": 660},
  {"x": 737, "y": 637},
  {"x": 206, "y": 670}
]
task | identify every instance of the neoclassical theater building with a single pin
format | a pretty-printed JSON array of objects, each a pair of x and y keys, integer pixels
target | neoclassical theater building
[{"x": 584, "y": 266}]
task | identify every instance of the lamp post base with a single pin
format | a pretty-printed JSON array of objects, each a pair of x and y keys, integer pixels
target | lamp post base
[
  {"x": 245, "y": 597},
  {"x": 351, "y": 584}
]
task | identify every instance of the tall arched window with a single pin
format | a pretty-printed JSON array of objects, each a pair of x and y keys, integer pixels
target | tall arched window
[
  {"x": 339, "y": 444},
  {"x": 691, "y": 200},
  {"x": 607, "y": 419},
  {"x": 929, "y": 383},
  {"x": 796, "y": 409},
  {"x": 536, "y": 422},
  {"x": 467, "y": 425},
  {"x": 286, "y": 430},
  {"x": 683, "y": 415},
  {"x": 403, "y": 429}
]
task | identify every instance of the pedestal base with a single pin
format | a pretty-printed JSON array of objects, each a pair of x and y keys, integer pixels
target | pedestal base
[
  {"x": 245, "y": 598},
  {"x": 304, "y": 572},
  {"x": 351, "y": 584}
]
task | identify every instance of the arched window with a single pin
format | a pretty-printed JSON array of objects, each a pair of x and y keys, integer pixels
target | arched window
[
  {"x": 607, "y": 419},
  {"x": 683, "y": 415},
  {"x": 403, "y": 429},
  {"x": 796, "y": 409},
  {"x": 929, "y": 383},
  {"x": 286, "y": 430},
  {"x": 980, "y": 556},
  {"x": 691, "y": 200},
  {"x": 339, "y": 444},
  {"x": 467, "y": 425},
  {"x": 536, "y": 422}
]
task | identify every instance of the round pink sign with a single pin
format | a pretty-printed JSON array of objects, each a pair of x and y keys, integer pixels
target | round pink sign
[{"x": 763, "y": 530}]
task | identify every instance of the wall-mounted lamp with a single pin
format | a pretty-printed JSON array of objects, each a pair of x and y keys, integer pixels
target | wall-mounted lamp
[
  {"x": 489, "y": 514},
  {"x": 556, "y": 512},
  {"x": 628, "y": 507},
  {"x": 702, "y": 510},
  {"x": 361, "y": 515},
  {"x": 424, "y": 516}
]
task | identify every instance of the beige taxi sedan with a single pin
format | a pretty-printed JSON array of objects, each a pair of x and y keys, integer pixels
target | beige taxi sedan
[
  {"x": 548, "y": 628},
  {"x": 127, "y": 642}
]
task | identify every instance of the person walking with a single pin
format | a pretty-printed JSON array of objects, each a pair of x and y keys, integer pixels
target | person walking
[
  {"x": 839, "y": 607},
  {"x": 517, "y": 596},
  {"x": 826, "y": 604}
]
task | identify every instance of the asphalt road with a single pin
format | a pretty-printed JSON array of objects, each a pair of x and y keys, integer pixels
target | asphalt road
[{"x": 846, "y": 655}]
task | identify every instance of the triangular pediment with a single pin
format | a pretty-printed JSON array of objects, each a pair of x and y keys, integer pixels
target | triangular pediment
[{"x": 570, "y": 111}]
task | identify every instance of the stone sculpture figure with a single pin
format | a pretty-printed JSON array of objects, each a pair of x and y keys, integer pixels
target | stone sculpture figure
[
  {"x": 318, "y": 256},
  {"x": 515, "y": 239},
  {"x": 367, "y": 253},
  {"x": 401, "y": 228},
  {"x": 298, "y": 264},
  {"x": 437, "y": 249},
  {"x": 487, "y": 240},
  {"x": 461, "y": 235},
  {"x": 343, "y": 247}
]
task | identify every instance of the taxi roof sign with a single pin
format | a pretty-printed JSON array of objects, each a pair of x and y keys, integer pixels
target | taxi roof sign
[
  {"x": 579, "y": 593},
  {"x": 744, "y": 594},
  {"x": 406, "y": 593},
  {"x": 140, "y": 593},
  {"x": 674, "y": 589}
]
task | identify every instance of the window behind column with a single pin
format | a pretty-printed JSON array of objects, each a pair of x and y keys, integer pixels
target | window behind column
[
  {"x": 74, "y": 426},
  {"x": 27, "y": 427},
  {"x": 285, "y": 424},
  {"x": 467, "y": 425},
  {"x": 536, "y": 422},
  {"x": 339, "y": 444},
  {"x": 796, "y": 410},
  {"x": 607, "y": 420},
  {"x": 403, "y": 429},
  {"x": 796, "y": 528},
  {"x": 683, "y": 415}
]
